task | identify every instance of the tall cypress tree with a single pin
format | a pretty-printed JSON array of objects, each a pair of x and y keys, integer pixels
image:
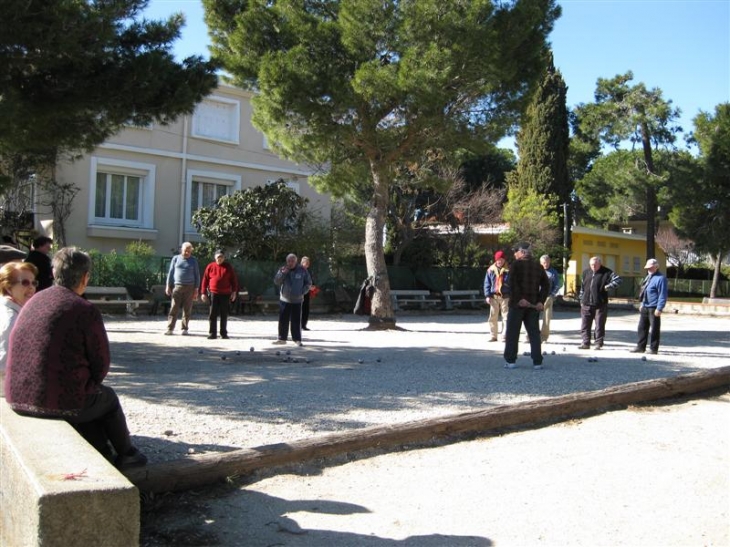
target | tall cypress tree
[{"x": 543, "y": 144}]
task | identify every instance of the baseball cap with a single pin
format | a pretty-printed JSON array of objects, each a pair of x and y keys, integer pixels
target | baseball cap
[
  {"x": 498, "y": 255},
  {"x": 651, "y": 262},
  {"x": 219, "y": 252}
]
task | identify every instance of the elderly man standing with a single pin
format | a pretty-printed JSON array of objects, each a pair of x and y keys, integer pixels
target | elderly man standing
[
  {"x": 597, "y": 281},
  {"x": 221, "y": 286},
  {"x": 529, "y": 288},
  {"x": 555, "y": 285},
  {"x": 652, "y": 299},
  {"x": 294, "y": 282},
  {"x": 183, "y": 281},
  {"x": 59, "y": 357},
  {"x": 39, "y": 257},
  {"x": 496, "y": 293}
]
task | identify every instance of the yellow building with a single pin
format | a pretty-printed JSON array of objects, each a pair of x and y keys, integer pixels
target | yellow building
[{"x": 624, "y": 253}]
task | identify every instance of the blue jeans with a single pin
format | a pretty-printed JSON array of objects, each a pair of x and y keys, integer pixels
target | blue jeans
[{"x": 515, "y": 319}]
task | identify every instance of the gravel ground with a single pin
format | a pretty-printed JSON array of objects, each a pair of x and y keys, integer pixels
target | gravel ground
[
  {"x": 648, "y": 476},
  {"x": 185, "y": 395}
]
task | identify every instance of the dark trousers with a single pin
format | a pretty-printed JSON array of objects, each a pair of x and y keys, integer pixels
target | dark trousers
[
  {"x": 648, "y": 321},
  {"x": 588, "y": 314},
  {"x": 305, "y": 310},
  {"x": 290, "y": 313},
  {"x": 515, "y": 319},
  {"x": 102, "y": 419},
  {"x": 220, "y": 305}
]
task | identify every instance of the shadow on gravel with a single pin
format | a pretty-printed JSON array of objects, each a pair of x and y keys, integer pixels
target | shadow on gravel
[{"x": 162, "y": 525}]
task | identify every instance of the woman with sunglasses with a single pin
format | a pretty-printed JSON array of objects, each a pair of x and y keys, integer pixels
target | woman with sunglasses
[{"x": 18, "y": 282}]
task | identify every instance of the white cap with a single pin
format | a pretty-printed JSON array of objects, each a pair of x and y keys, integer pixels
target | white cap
[{"x": 651, "y": 263}]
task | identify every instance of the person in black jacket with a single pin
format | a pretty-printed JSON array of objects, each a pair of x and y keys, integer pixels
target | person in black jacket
[
  {"x": 597, "y": 281},
  {"x": 39, "y": 257}
]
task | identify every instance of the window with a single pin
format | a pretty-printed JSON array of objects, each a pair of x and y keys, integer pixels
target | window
[
  {"x": 205, "y": 188},
  {"x": 122, "y": 193},
  {"x": 217, "y": 119},
  {"x": 117, "y": 196}
]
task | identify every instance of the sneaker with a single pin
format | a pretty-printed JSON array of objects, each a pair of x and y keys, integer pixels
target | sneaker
[
  {"x": 299, "y": 343},
  {"x": 279, "y": 342},
  {"x": 637, "y": 350},
  {"x": 598, "y": 346},
  {"x": 584, "y": 346},
  {"x": 212, "y": 337},
  {"x": 652, "y": 351},
  {"x": 185, "y": 332},
  {"x": 537, "y": 366},
  {"x": 133, "y": 458},
  {"x": 510, "y": 365},
  {"x": 168, "y": 332}
]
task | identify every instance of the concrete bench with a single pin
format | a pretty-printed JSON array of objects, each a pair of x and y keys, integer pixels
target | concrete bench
[
  {"x": 471, "y": 297},
  {"x": 113, "y": 296},
  {"x": 406, "y": 296},
  {"x": 56, "y": 490}
]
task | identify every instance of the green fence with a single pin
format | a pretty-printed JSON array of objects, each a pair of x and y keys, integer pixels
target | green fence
[{"x": 257, "y": 277}]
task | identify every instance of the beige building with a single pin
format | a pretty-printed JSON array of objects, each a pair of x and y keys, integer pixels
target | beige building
[{"x": 145, "y": 183}]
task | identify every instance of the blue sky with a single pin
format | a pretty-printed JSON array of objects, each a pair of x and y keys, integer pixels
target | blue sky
[{"x": 679, "y": 46}]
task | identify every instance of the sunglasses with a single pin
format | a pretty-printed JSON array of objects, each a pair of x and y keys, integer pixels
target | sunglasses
[{"x": 27, "y": 283}]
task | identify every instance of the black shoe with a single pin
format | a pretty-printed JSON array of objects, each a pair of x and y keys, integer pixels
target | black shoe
[
  {"x": 584, "y": 346},
  {"x": 637, "y": 350},
  {"x": 133, "y": 458},
  {"x": 212, "y": 337},
  {"x": 652, "y": 351},
  {"x": 224, "y": 336},
  {"x": 305, "y": 328}
]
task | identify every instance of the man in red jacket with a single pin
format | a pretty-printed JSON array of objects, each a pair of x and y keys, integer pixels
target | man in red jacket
[{"x": 220, "y": 285}]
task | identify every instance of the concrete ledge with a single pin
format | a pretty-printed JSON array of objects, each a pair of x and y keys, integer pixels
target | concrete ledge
[{"x": 58, "y": 491}]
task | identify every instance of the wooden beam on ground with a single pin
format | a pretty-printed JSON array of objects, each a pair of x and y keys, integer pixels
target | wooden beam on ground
[{"x": 206, "y": 469}]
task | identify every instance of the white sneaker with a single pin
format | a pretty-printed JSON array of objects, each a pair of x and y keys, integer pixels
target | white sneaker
[
  {"x": 168, "y": 333},
  {"x": 185, "y": 332},
  {"x": 279, "y": 342},
  {"x": 298, "y": 343},
  {"x": 510, "y": 365},
  {"x": 536, "y": 367}
]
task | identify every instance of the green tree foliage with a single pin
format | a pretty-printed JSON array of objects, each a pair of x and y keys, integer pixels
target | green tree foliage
[
  {"x": 613, "y": 191},
  {"x": 641, "y": 116},
  {"x": 532, "y": 217},
  {"x": 543, "y": 140},
  {"x": 367, "y": 87},
  {"x": 259, "y": 223},
  {"x": 72, "y": 72},
  {"x": 702, "y": 208}
]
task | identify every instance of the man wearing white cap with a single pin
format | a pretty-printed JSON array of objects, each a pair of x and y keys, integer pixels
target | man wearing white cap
[{"x": 652, "y": 299}]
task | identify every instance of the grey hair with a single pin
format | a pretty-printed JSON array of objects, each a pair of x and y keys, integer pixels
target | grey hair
[
  {"x": 69, "y": 267},
  {"x": 545, "y": 257},
  {"x": 291, "y": 255}
]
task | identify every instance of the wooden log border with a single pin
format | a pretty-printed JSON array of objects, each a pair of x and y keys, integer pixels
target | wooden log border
[{"x": 206, "y": 469}]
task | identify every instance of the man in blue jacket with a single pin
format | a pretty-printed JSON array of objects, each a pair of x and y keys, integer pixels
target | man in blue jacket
[{"x": 652, "y": 299}]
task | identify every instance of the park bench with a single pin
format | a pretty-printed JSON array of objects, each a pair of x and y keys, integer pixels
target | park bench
[
  {"x": 103, "y": 297},
  {"x": 458, "y": 297},
  {"x": 407, "y": 296},
  {"x": 58, "y": 491}
]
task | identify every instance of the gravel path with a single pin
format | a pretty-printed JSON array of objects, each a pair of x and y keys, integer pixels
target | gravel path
[
  {"x": 185, "y": 395},
  {"x": 647, "y": 476}
]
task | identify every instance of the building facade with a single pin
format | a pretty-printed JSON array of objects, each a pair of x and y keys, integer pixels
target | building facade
[{"x": 145, "y": 183}]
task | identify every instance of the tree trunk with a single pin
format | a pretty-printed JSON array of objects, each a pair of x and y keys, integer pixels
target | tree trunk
[
  {"x": 651, "y": 203},
  {"x": 381, "y": 315},
  {"x": 716, "y": 275}
]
